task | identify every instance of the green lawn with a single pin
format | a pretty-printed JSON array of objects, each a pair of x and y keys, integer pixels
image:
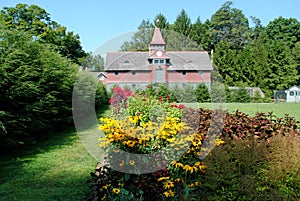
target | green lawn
[
  {"x": 54, "y": 170},
  {"x": 279, "y": 109}
]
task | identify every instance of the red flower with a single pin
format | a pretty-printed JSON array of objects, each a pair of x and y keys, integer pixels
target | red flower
[
  {"x": 167, "y": 96},
  {"x": 172, "y": 105},
  {"x": 148, "y": 86},
  {"x": 160, "y": 98},
  {"x": 181, "y": 106}
]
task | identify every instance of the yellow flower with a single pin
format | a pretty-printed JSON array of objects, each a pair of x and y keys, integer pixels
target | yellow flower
[
  {"x": 178, "y": 180},
  {"x": 122, "y": 163},
  {"x": 171, "y": 139},
  {"x": 106, "y": 186},
  {"x": 197, "y": 183},
  {"x": 131, "y": 162},
  {"x": 168, "y": 184},
  {"x": 188, "y": 168},
  {"x": 219, "y": 142},
  {"x": 169, "y": 193},
  {"x": 116, "y": 190},
  {"x": 190, "y": 185},
  {"x": 197, "y": 164},
  {"x": 130, "y": 143},
  {"x": 179, "y": 165},
  {"x": 163, "y": 178},
  {"x": 202, "y": 167}
]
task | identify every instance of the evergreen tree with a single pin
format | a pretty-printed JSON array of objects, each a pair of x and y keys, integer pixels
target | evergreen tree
[
  {"x": 229, "y": 24},
  {"x": 202, "y": 93}
]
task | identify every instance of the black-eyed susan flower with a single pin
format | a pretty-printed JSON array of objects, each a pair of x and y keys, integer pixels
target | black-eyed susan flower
[
  {"x": 163, "y": 178},
  {"x": 178, "y": 165},
  {"x": 169, "y": 184},
  {"x": 116, "y": 190},
  {"x": 169, "y": 193},
  {"x": 131, "y": 162},
  {"x": 188, "y": 168},
  {"x": 178, "y": 180},
  {"x": 219, "y": 142}
]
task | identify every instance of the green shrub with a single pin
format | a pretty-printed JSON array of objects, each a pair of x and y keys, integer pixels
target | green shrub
[
  {"x": 36, "y": 89},
  {"x": 202, "y": 93},
  {"x": 240, "y": 95},
  {"x": 184, "y": 94}
]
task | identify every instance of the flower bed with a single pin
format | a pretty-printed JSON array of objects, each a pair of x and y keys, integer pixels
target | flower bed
[{"x": 167, "y": 143}]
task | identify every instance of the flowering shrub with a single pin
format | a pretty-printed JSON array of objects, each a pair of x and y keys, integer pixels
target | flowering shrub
[
  {"x": 119, "y": 98},
  {"x": 145, "y": 124}
]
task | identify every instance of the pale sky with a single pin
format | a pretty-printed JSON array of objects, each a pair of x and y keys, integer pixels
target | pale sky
[{"x": 97, "y": 21}]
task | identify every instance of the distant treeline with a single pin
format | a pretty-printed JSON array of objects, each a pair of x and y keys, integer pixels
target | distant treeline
[{"x": 260, "y": 56}]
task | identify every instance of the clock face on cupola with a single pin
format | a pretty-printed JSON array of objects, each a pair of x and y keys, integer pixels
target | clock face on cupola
[{"x": 159, "y": 53}]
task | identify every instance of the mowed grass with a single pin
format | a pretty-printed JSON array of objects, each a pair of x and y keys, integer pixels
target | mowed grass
[
  {"x": 54, "y": 170},
  {"x": 278, "y": 109}
]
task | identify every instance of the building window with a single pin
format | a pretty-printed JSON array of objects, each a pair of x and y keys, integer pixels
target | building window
[
  {"x": 126, "y": 62},
  {"x": 200, "y": 72},
  {"x": 133, "y": 86},
  {"x": 156, "y": 61},
  {"x": 291, "y": 93},
  {"x": 183, "y": 72},
  {"x": 116, "y": 73},
  {"x": 161, "y": 61},
  {"x": 133, "y": 73}
]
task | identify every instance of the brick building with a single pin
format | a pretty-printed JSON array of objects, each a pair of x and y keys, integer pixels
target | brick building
[{"x": 139, "y": 69}]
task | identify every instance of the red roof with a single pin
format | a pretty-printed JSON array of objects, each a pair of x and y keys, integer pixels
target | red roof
[{"x": 157, "y": 38}]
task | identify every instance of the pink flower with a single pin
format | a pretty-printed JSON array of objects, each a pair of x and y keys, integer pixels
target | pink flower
[{"x": 111, "y": 100}]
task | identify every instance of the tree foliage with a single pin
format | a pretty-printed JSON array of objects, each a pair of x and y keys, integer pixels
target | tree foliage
[
  {"x": 231, "y": 25},
  {"x": 161, "y": 21},
  {"x": 37, "y": 22},
  {"x": 93, "y": 63}
]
